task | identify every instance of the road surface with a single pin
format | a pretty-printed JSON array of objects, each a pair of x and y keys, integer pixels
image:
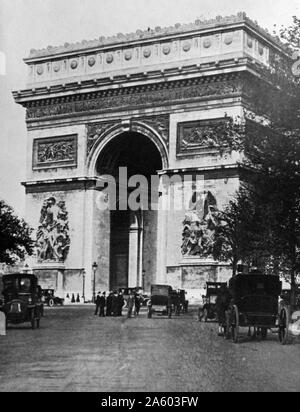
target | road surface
[{"x": 76, "y": 351}]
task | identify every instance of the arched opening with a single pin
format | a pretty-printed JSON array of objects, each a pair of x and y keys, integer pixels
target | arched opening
[{"x": 131, "y": 232}]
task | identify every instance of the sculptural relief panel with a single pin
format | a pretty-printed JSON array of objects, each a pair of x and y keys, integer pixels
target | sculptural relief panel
[
  {"x": 55, "y": 152},
  {"x": 53, "y": 240},
  {"x": 198, "y": 136}
]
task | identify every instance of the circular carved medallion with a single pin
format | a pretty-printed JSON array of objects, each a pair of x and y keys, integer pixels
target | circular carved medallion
[
  {"x": 40, "y": 70},
  {"x": 206, "y": 43},
  {"x": 187, "y": 46},
  {"x": 128, "y": 55},
  {"x": 250, "y": 43},
  {"x": 91, "y": 61},
  {"x": 56, "y": 67},
  {"x": 166, "y": 49},
  {"x": 109, "y": 58},
  {"x": 228, "y": 39},
  {"x": 260, "y": 50},
  {"x": 74, "y": 64},
  {"x": 147, "y": 53}
]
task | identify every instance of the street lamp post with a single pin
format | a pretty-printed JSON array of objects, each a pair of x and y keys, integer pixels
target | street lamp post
[
  {"x": 83, "y": 286},
  {"x": 95, "y": 267}
]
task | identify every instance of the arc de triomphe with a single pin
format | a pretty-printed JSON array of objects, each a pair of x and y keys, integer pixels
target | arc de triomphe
[{"x": 146, "y": 101}]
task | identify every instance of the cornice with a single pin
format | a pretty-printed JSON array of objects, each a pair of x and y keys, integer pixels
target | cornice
[
  {"x": 138, "y": 81},
  {"x": 157, "y": 34}
]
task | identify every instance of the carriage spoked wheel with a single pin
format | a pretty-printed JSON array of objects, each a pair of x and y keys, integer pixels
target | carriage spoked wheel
[
  {"x": 235, "y": 328},
  {"x": 284, "y": 326}
]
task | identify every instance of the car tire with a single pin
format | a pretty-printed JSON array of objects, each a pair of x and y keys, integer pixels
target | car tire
[{"x": 51, "y": 303}]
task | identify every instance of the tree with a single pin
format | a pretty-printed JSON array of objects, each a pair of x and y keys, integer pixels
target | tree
[
  {"x": 270, "y": 143},
  {"x": 237, "y": 238},
  {"x": 15, "y": 236}
]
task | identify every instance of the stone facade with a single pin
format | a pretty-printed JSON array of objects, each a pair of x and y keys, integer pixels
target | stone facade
[{"x": 168, "y": 87}]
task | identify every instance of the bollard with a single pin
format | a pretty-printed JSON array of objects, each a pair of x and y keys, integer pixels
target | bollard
[{"x": 2, "y": 324}]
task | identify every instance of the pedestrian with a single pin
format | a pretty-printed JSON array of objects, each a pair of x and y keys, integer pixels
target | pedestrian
[
  {"x": 130, "y": 305},
  {"x": 137, "y": 303},
  {"x": 109, "y": 304},
  {"x": 115, "y": 304},
  {"x": 222, "y": 307},
  {"x": 120, "y": 303},
  {"x": 97, "y": 303},
  {"x": 102, "y": 305}
]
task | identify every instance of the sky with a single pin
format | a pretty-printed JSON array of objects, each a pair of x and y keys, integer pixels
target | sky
[{"x": 35, "y": 24}]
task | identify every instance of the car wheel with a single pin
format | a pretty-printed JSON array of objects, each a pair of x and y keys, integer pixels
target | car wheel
[{"x": 51, "y": 303}]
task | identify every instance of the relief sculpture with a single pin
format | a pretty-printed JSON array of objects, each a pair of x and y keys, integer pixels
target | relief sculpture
[
  {"x": 53, "y": 241},
  {"x": 199, "y": 226},
  {"x": 55, "y": 151}
]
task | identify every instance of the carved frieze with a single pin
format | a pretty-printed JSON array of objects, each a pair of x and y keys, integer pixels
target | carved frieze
[
  {"x": 55, "y": 152},
  {"x": 199, "y": 136},
  {"x": 160, "y": 123},
  {"x": 132, "y": 98},
  {"x": 95, "y": 131}
]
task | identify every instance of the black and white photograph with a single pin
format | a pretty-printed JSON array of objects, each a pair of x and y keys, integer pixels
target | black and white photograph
[{"x": 149, "y": 199}]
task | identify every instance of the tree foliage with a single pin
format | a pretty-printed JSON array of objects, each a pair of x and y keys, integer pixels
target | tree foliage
[
  {"x": 263, "y": 222},
  {"x": 15, "y": 236}
]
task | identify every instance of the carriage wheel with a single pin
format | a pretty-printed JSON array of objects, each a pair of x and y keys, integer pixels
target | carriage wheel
[
  {"x": 205, "y": 315},
  {"x": 284, "y": 326},
  {"x": 235, "y": 325},
  {"x": 149, "y": 313}
]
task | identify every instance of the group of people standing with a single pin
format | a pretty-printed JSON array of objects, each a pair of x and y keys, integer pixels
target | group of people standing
[{"x": 113, "y": 303}]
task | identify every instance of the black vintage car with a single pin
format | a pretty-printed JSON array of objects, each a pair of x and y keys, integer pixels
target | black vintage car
[
  {"x": 22, "y": 299},
  {"x": 161, "y": 301},
  {"x": 209, "y": 310},
  {"x": 254, "y": 303},
  {"x": 50, "y": 299}
]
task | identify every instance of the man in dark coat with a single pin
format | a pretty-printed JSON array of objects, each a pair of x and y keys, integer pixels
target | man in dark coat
[
  {"x": 137, "y": 303},
  {"x": 130, "y": 305},
  {"x": 120, "y": 303},
  {"x": 102, "y": 305},
  {"x": 97, "y": 303},
  {"x": 115, "y": 304},
  {"x": 222, "y": 307},
  {"x": 109, "y": 304}
]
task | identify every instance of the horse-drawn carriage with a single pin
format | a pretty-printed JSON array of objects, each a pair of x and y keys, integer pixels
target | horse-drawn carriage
[
  {"x": 22, "y": 299},
  {"x": 254, "y": 304}
]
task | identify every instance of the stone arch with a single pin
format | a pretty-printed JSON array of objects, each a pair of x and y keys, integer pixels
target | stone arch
[{"x": 116, "y": 130}]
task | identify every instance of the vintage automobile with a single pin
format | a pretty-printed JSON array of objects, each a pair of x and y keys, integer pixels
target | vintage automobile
[
  {"x": 22, "y": 299},
  {"x": 50, "y": 299},
  {"x": 254, "y": 304},
  {"x": 208, "y": 312},
  {"x": 160, "y": 301}
]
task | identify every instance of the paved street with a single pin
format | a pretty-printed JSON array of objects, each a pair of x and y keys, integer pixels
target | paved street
[{"x": 76, "y": 351}]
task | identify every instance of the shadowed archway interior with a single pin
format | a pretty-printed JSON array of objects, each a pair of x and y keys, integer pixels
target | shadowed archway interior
[
  {"x": 132, "y": 150},
  {"x": 131, "y": 232}
]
